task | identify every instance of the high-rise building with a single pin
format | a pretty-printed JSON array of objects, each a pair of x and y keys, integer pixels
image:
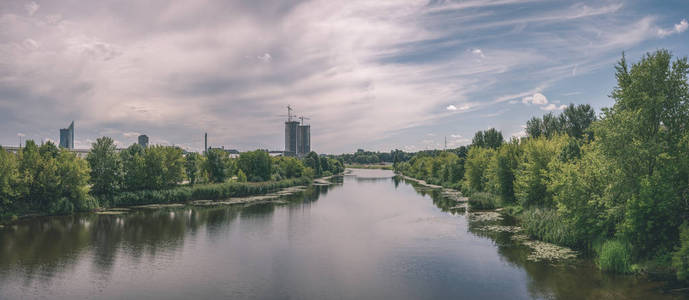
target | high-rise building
[
  {"x": 143, "y": 141},
  {"x": 291, "y": 128},
  {"x": 67, "y": 137},
  {"x": 303, "y": 140}
]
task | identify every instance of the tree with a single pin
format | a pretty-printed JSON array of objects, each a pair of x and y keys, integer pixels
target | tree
[
  {"x": 133, "y": 168},
  {"x": 531, "y": 181},
  {"x": 218, "y": 165},
  {"x": 313, "y": 161},
  {"x": 193, "y": 165},
  {"x": 9, "y": 179},
  {"x": 106, "y": 168},
  {"x": 642, "y": 135},
  {"x": 491, "y": 138},
  {"x": 73, "y": 174},
  {"x": 475, "y": 167},
  {"x": 534, "y": 127},
  {"x": 257, "y": 165},
  {"x": 576, "y": 119}
]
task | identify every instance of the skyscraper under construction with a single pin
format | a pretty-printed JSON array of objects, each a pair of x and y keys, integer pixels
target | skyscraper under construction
[{"x": 297, "y": 136}]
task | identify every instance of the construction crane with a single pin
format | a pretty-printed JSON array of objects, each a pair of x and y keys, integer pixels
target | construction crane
[
  {"x": 289, "y": 113},
  {"x": 302, "y": 118}
]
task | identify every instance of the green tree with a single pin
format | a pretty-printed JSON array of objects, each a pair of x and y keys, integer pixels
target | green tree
[
  {"x": 193, "y": 165},
  {"x": 257, "y": 165},
  {"x": 642, "y": 135},
  {"x": 218, "y": 165},
  {"x": 576, "y": 120},
  {"x": 9, "y": 180},
  {"x": 133, "y": 162},
  {"x": 476, "y": 164},
  {"x": 314, "y": 162},
  {"x": 105, "y": 166},
  {"x": 531, "y": 181},
  {"x": 73, "y": 174}
]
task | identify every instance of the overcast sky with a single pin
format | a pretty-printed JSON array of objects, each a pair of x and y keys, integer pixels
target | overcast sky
[{"x": 376, "y": 74}]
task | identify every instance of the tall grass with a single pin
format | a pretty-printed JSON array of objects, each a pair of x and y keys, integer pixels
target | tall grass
[
  {"x": 615, "y": 256},
  {"x": 203, "y": 192},
  {"x": 482, "y": 200},
  {"x": 547, "y": 225}
]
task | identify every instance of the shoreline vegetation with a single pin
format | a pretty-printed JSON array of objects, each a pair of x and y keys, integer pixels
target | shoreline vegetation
[
  {"x": 45, "y": 180},
  {"x": 376, "y": 166},
  {"x": 611, "y": 186}
]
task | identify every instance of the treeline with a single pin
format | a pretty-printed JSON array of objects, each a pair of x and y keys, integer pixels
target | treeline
[
  {"x": 50, "y": 180},
  {"x": 370, "y": 157},
  {"x": 616, "y": 186}
]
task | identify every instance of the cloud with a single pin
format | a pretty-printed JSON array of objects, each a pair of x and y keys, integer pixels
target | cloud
[
  {"x": 537, "y": 98},
  {"x": 678, "y": 28},
  {"x": 551, "y": 107},
  {"x": 31, "y": 8},
  {"x": 384, "y": 68},
  {"x": 265, "y": 57},
  {"x": 477, "y": 52},
  {"x": 131, "y": 134}
]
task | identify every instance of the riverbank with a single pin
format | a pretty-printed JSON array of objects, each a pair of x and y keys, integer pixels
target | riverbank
[
  {"x": 370, "y": 166},
  {"x": 228, "y": 193},
  {"x": 488, "y": 220}
]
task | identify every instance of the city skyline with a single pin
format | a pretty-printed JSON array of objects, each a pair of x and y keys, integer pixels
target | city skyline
[{"x": 377, "y": 76}]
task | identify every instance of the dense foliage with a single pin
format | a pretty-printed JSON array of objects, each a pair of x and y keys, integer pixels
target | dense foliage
[
  {"x": 616, "y": 185},
  {"x": 43, "y": 179},
  {"x": 49, "y": 180}
]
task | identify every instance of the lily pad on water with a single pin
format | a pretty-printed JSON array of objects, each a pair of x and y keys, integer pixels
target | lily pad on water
[
  {"x": 485, "y": 216},
  {"x": 542, "y": 251},
  {"x": 501, "y": 228}
]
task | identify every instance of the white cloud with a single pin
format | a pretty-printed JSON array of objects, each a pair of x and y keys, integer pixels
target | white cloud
[
  {"x": 456, "y": 136},
  {"x": 537, "y": 98},
  {"x": 477, "y": 52},
  {"x": 265, "y": 57},
  {"x": 551, "y": 107},
  {"x": 131, "y": 134},
  {"x": 451, "y": 107},
  {"x": 31, "y": 8},
  {"x": 678, "y": 28}
]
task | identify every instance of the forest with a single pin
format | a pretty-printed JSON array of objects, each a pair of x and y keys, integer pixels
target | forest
[{"x": 614, "y": 185}]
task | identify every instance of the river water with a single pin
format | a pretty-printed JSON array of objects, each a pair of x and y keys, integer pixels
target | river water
[{"x": 369, "y": 236}]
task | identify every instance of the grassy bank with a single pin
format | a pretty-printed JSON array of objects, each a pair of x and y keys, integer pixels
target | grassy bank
[{"x": 203, "y": 192}]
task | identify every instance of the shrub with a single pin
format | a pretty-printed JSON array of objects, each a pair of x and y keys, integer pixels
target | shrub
[
  {"x": 615, "y": 256},
  {"x": 680, "y": 258},
  {"x": 483, "y": 200}
]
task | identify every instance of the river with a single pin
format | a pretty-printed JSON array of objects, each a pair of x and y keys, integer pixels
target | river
[{"x": 368, "y": 236}]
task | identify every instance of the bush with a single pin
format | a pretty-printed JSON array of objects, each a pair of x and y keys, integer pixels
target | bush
[
  {"x": 615, "y": 256},
  {"x": 680, "y": 258},
  {"x": 483, "y": 200},
  {"x": 549, "y": 226}
]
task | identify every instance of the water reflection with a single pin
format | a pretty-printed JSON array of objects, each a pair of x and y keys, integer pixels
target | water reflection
[
  {"x": 42, "y": 247},
  {"x": 360, "y": 238},
  {"x": 580, "y": 279}
]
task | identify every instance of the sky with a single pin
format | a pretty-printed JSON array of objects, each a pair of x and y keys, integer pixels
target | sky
[{"x": 376, "y": 75}]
